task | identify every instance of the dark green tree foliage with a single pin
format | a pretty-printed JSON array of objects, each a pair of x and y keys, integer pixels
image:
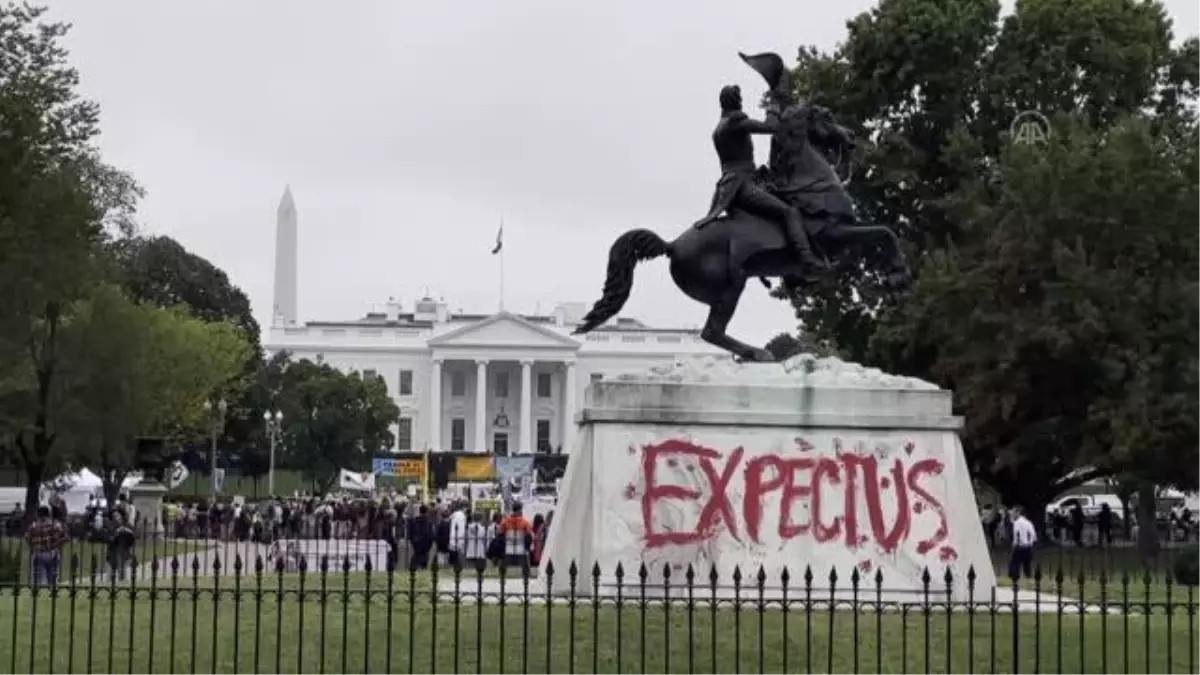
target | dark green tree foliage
[
  {"x": 785, "y": 345},
  {"x": 1056, "y": 285},
  {"x": 57, "y": 203},
  {"x": 1067, "y": 327},
  {"x": 265, "y": 394},
  {"x": 332, "y": 420},
  {"x": 933, "y": 86},
  {"x": 160, "y": 271}
]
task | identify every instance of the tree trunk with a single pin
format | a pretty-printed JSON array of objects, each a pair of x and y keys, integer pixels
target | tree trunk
[
  {"x": 326, "y": 484},
  {"x": 111, "y": 476},
  {"x": 35, "y": 473},
  {"x": 44, "y": 361},
  {"x": 112, "y": 488},
  {"x": 1147, "y": 523}
]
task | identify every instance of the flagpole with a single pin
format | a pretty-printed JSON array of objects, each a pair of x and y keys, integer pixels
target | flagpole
[
  {"x": 502, "y": 267},
  {"x": 425, "y": 478}
]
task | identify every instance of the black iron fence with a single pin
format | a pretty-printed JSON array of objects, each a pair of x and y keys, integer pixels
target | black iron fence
[
  {"x": 207, "y": 606},
  {"x": 379, "y": 540}
]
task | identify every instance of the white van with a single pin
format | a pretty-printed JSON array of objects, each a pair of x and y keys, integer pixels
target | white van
[{"x": 1089, "y": 503}]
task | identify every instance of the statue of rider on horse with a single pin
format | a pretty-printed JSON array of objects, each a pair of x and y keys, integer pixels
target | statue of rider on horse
[{"x": 779, "y": 220}]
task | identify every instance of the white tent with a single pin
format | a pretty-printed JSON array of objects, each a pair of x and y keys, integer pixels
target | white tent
[
  {"x": 75, "y": 488},
  {"x": 78, "y": 488}
]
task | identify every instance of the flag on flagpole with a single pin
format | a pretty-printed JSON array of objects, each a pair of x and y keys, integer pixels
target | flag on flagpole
[{"x": 499, "y": 239}]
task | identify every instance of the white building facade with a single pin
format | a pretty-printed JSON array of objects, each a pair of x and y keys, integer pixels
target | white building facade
[{"x": 502, "y": 383}]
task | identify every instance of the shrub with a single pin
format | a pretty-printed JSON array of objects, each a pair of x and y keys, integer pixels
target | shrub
[{"x": 1187, "y": 567}]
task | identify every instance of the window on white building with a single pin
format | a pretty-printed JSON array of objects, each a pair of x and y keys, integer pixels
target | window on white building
[
  {"x": 501, "y": 385},
  {"x": 458, "y": 434},
  {"x": 404, "y": 433},
  {"x": 596, "y": 377},
  {"x": 406, "y": 388},
  {"x": 368, "y": 373},
  {"x": 543, "y": 436},
  {"x": 458, "y": 384},
  {"x": 500, "y": 444},
  {"x": 543, "y": 385}
]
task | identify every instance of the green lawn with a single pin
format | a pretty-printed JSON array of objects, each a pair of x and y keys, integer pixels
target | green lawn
[
  {"x": 359, "y": 622},
  {"x": 354, "y": 624},
  {"x": 1109, "y": 575},
  {"x": 1160, "y": 591},
  {"x": 1094, "y": 562}
]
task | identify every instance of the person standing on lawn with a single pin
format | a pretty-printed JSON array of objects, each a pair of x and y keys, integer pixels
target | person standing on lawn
[
  {"x": 475, "y": 543},
  {"x": 120, "y": 545},
  {"x": 458, "y": 532},
  {"x": 46, "y": 537},
  {"x": 517, "y": 534},
  {"x": 1024, "y": 536}
]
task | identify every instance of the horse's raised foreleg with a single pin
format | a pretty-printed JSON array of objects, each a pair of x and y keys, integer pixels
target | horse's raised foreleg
[
  {"x": 720, "y": 313},
  {"x": 889, "y": 244},
  {"x": 879, "y": 235}
]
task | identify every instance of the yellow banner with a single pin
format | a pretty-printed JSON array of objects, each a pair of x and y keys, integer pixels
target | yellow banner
[
  {"x": 474, "y": 468},
  {"x": 410, "y": 468}
]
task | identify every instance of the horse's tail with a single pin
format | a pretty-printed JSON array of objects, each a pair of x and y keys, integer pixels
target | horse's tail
[{"x": 627, "y": 251}]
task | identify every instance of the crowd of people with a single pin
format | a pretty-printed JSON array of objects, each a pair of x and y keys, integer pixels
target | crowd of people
[
  {"x": 452, "y": 533},
  {"x": 460, "y": 536},
  {"x": 1072, "y": 526},
  {"x": 297, "y": 517}
]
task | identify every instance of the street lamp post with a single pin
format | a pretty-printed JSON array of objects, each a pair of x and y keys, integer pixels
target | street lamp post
[
  {"x": 274, "y": 422},
  {"x": 216, "y": 413}
]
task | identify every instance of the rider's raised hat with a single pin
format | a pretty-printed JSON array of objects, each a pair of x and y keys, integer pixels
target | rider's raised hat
[{"x": 768, "y": 64}]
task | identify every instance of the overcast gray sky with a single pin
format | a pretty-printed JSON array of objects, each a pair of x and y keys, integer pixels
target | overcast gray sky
[{"x": 408, "y": 129}]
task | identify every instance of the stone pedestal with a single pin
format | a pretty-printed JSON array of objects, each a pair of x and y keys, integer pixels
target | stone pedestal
[
  {"x": 147, "y": 499},
  {"x": 812, "y": 464}
]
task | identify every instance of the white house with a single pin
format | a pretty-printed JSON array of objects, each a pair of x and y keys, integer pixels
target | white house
[{"x": 502, "y": 383}]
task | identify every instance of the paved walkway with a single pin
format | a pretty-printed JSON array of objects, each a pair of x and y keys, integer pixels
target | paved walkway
[
  {"x": 513, "y": 592},
  {"x": 206, "y": 558}
]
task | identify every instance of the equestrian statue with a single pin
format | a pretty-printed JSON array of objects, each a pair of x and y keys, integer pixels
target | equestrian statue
[{"x": 784, "y": 220}]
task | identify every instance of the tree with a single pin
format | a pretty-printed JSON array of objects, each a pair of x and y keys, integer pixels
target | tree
[
  {"x": 136, "y": 371},
  {"x": 1021, "y": 305},
  {"x": 262, "y": 396},
  {"x": 785, "y": 345},
  {"x": 933, "y": 87},
  {"x": 333, "y": 420},
  {"x": 1066, "y": 322},
  {"x": 160, "y": 271},
  {"x": 58, "y": 201}
]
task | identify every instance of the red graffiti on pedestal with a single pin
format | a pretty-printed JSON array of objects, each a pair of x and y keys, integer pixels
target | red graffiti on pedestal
[{"x": 860, "y": 481}]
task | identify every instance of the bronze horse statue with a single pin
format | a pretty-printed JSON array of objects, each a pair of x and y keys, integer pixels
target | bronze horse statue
[{"x": 712, "y": 264}]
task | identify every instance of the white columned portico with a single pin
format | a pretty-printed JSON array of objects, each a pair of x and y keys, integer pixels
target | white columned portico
[
  {"x": 481, "y": 405},
  {"x": 526, "y": 406},
  {"x": 435, "y": 406},
  {"x": 568, "y": 424}
]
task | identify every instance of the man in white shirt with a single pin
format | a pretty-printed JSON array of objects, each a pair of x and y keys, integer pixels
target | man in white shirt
[
  {"x": 1024, "y": 536},
  {"x": 458, "y": 533}
]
